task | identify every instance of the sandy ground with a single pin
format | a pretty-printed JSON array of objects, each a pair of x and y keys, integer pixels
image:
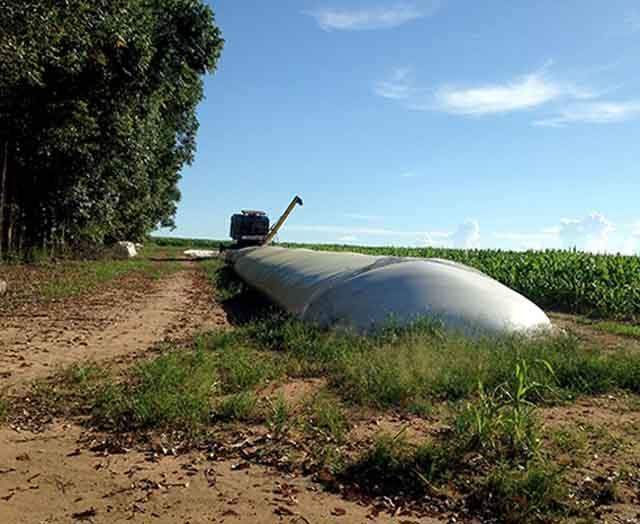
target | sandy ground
[
  {"x": 60, "y": 474},
  {"x": 119, "y": 322},
  {"x": 54, "y": 477}
]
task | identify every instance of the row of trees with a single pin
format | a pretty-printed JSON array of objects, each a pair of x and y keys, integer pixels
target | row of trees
[{"x": 97, "y": 115}]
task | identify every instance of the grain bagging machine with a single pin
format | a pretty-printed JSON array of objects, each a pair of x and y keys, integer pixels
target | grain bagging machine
[{"x": 251, "y": 228}]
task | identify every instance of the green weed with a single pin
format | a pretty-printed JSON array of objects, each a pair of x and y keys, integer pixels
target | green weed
[
  {"x": 241, "y": 407},
  {"x": 82, "y": 373},
  {"x": 227, "y": 284},
  {"x": 521, "y": 495},
  {"x": 279, "y": 414},
  {"x": 73, "y": 278},
  {"x": 327, "y": 416},
  {"x": 617, "y": 328},
  {"x": 395, "y": 367},
  {"x": 173, "y": 389},
  {"x": 421, "y": 407},
  {"x": 568, "y": 441}
]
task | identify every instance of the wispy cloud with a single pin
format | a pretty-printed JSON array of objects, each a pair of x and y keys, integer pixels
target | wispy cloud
[
  {"x": 593, "y": 113},
  {"x": 574, "y": 103},
  {"x": 365, "y": 231},
  {"x": 521, "y": 93},
  {"x": 369, "y": 18},
  {"x": 465, "y": 236},
  {"x": 398, "y": 86},
  {"x": 364, "y": 217}
]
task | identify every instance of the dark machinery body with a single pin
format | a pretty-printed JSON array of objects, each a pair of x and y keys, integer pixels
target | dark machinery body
[
  {"x": 249, "y": 228},
  {"x": 252, "y": 228}
]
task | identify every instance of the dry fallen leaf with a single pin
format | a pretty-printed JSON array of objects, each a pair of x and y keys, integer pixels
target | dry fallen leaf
[
  {"x": 283, "y": 512},
  {"x": 81, "y": 515}
]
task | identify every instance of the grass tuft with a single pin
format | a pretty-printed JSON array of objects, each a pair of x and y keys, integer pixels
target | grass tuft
[
  {"x": 240, "y": 407},
  {"x": 279, "y": 414},
  {"x": 82, "y": 373},
  {"x": 394, "y": 368},
  {"x": 521, "y": 495},
  {"x": 77, "y": 277},
  {"x": 327, "y": 416},
  {"x": 173, "y": 389},
  {"x": 499, "y": 431},
  {"x": 618, "y": 328}
]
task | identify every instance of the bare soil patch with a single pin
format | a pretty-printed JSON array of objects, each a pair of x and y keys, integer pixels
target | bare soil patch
[
  {"x": 123, "y": 319},
  {"x": 588, "y": 333},
  {"x": 55, "y": 477}
]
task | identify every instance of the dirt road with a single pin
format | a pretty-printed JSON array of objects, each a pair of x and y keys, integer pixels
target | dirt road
[
  {"x": 119, "y": 322},
  {"x": 62, "y": 475}
]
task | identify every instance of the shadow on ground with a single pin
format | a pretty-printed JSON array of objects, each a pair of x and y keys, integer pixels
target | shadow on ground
[{"x": 241, "y": 303}]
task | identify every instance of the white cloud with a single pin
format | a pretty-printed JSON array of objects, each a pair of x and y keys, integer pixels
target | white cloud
[
  {"x": 527, "y": 92},
  {"x": 369, "y": 18},
  {"x": 408, "y": 174},
  {"x": 347, "y": 238},
  {"x": 594, "y": 113},
  {"x": 522, "y": 93},
  {"x": 593, "y": 233},
  {"x": 467, "y": 236},
  {"x": 630, "y": 247},
  {"x": 590, "y": 233}
]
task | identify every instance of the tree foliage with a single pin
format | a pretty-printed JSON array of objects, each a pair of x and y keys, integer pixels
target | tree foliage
[{"x": 97, "y": 115}]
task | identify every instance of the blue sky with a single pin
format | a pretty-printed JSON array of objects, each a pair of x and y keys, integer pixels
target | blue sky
[{"x": 510, "y": 124}]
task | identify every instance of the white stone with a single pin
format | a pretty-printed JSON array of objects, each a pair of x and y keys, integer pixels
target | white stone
[
  {"x": 3, "y": 287},
  {"x": 124, "y": 250}
]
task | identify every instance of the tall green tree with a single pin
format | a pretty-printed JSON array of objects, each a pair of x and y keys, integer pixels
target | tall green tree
[{"x": 98, "y": 115}]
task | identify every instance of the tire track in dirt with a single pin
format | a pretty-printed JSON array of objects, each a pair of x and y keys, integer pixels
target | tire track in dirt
[{"x": 120, "y": 322}]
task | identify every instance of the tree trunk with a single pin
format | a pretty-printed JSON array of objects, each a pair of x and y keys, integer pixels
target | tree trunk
[{"x": 3, "y": 190}]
